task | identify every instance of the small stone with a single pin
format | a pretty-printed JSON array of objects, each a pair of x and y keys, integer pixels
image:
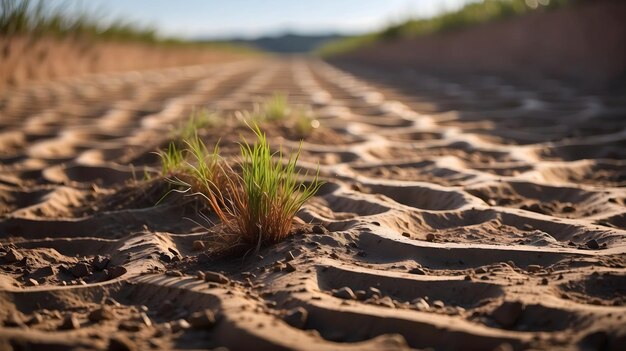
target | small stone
[
  {"x": 508, "y": 313},
  {"x": 69, "y": 322},
  {"x": 174, "y": 273},
  {"x": 180, "y": 324},
  {"x": 593, "y": 244},
  {"x": 417, "y": 271},
  {"x": 468, "y": 277},
  {"x": 100, "y": 262},
  {"x": 373, "y": 292},
  {"x": 533, "y": 268},
  {"x": 198, "y": 245},
  {"x": 202, "y": 319},
  {"x": 569, "y": 209},
  {"x": 296, "y": 317},
  {"x": 80, "y": 269},
  {"x": 344, "y": 293},
  {"x": 360, "y": 294},
  {"x": 387, "y": 302},
  {"x": 121, "y": 343},
  {"x": 544, "y": 281},
  {"x": 406, "y": 234},
  {"x": 35, "y": 319},
  {"x": 32, "y": 282},
  {"x": 527, "y": 227},
  {"x": 438, "y": 304},
  {"x": 430, "y": 237},
  {"x": 47, "y": 271},
  {"x": 13, "y": 256},
  {"x": 200, "y": 275},
  {"x": 421, "y": 304},
  {"x": 480, "y": 270},
  {"x": 215, "y": 277},
  {"x": 143, "y": 318},
  {"x": 100, "y": 314}
]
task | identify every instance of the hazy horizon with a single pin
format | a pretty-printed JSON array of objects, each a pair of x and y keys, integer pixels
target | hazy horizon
[{"x": 249, "y": 19}]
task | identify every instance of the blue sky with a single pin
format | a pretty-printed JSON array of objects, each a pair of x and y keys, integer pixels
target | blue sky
[{"x": 253, "y": 18}]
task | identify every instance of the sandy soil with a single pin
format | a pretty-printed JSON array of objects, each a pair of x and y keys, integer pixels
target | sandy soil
[{"x": 470, "y": 214}]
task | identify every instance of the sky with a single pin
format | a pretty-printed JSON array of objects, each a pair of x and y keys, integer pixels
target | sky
[{"x": 253, "y": 18}]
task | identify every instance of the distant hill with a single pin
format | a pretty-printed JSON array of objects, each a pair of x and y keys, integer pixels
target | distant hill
[{"x": 288, "y": 43}]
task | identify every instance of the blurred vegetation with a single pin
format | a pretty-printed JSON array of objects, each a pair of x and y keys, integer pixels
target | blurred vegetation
[
  {"x": 37, "y": 18},
  {"x": 469, "y": 15}
]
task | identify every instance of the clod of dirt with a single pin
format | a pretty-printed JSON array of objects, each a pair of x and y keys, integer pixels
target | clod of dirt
[
  {"x": 296, "y": 317},
  {"x": 374, "y": 292},
  {"x": 480, "y": 270},
  {"x": 116, "y": 272},
  {"x": 344, "y": 293},
  {"x": 100, "y": 314},
  {"x": 593, "y": 244},
  {"x": 69, "y": 322},
  {"x": 417, "y": 271},
  {"x": 80, "y": 270},
  {"x": 47, "y": 271},
  {"x": 215, "y": 277},
  {"x": 100, "y": 262},
  {"x": 438, "y": 304},
  {"x": 202, "y": 319},
  {"x": 13, "y": 256},
  {"x": 421, "y": 304},
  {"x": 360, "y": 295},
  {"x": 508, "y": 313},
  {"x": 386, "y": 301},
  {"x": 35, "y": 319},
  {"x": 179, "y": 325}
]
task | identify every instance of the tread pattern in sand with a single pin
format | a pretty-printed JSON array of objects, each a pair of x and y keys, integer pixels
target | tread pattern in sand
[{"x": 456, "y": 214}]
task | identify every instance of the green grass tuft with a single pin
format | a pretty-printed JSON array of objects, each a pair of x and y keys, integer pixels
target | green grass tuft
[
  {"x": 276, "y": 108},
  {"x": 304, "y": 122},
  {"x": 172, "y": 160},
  {"x": 199, "y": 119},
  {"x": 256, "y": 200}
]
